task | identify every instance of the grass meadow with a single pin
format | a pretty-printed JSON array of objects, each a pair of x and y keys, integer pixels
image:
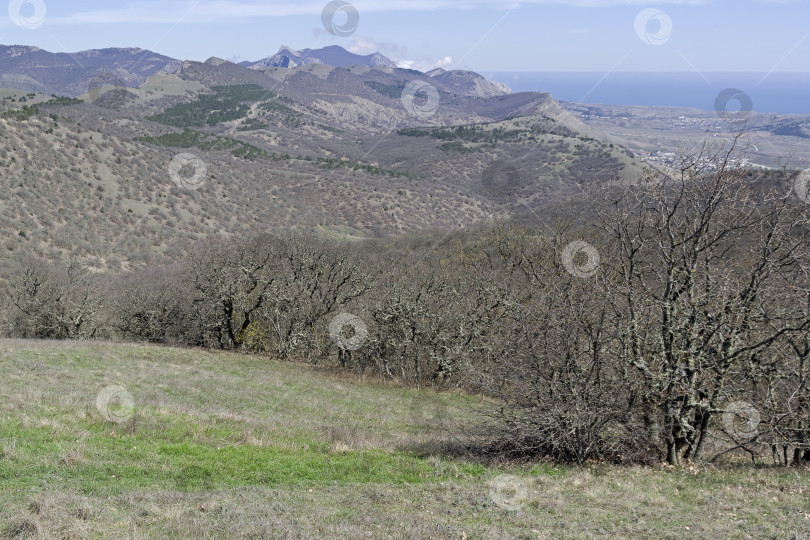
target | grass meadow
[{"x": 227, "y": 445}]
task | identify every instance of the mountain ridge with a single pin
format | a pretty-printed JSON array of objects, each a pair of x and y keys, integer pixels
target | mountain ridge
[
  {"x": 32, "y": 69},
  {"x": 333, "y": 55},
  {"x": 320, "y": 148}
]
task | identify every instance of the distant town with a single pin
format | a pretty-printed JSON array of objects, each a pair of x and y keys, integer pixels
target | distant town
[{"x": 631, "y": 126}]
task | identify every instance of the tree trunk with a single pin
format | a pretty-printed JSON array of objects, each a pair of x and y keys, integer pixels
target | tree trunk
[
  {"x": 694, "y": 451},
  {"x": 672, "y": 453},
  {"x": 228, "y": 312}
]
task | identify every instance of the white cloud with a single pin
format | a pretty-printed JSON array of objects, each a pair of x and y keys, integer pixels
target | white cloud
[
  {"x": 425, "y": 65},
  {"x": 367, "y": 46},
  {"x": 398, "y": 54}
]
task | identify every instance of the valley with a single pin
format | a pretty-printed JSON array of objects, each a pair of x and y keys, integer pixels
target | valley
[{"x": 302, "y": 148}]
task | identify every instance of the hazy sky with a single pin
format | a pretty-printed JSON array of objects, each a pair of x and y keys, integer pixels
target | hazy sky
[{"x": 483, "y": 35}]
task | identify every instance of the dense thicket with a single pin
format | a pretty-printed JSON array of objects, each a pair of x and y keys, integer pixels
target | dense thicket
[{"x": 674, "y": 325}]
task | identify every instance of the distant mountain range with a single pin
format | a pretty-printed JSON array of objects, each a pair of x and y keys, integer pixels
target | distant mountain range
[
  {"x": 121, "y": 178},
  {"x": 191, "y": 149},
  {"x": 32, "y": 69},
  {"x": 333, "y": 55},
  {"x": 70, "y": 74}
]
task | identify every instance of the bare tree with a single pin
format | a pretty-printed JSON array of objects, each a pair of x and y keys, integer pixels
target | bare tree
[
  {"x": 61, "y": 302},
  {"x": 698, "y": 253},
  {"x": 154, "y": 305},
  {"x": 231, "y": 280},
  {"x": 316, "y": 277}
]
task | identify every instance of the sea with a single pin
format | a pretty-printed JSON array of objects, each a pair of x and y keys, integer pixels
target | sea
[{"x": 777, "y": 92}]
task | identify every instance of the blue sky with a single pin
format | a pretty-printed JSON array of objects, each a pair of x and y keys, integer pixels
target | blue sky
[{"x": 483, "y": 35}]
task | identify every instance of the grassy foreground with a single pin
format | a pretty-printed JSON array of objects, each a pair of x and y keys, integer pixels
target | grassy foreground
[{"x": 226, "y": 445}]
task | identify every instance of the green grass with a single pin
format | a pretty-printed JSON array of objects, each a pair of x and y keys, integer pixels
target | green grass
[
  {"x": 229, "y": 445},
  {"x": 180, "y": 456}
]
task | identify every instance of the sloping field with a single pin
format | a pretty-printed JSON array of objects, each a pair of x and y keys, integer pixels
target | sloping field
[{"x": 130, "y": 441}]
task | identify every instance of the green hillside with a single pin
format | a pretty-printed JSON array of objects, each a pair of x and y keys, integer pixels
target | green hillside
[{"x": 226, "y": 445}]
